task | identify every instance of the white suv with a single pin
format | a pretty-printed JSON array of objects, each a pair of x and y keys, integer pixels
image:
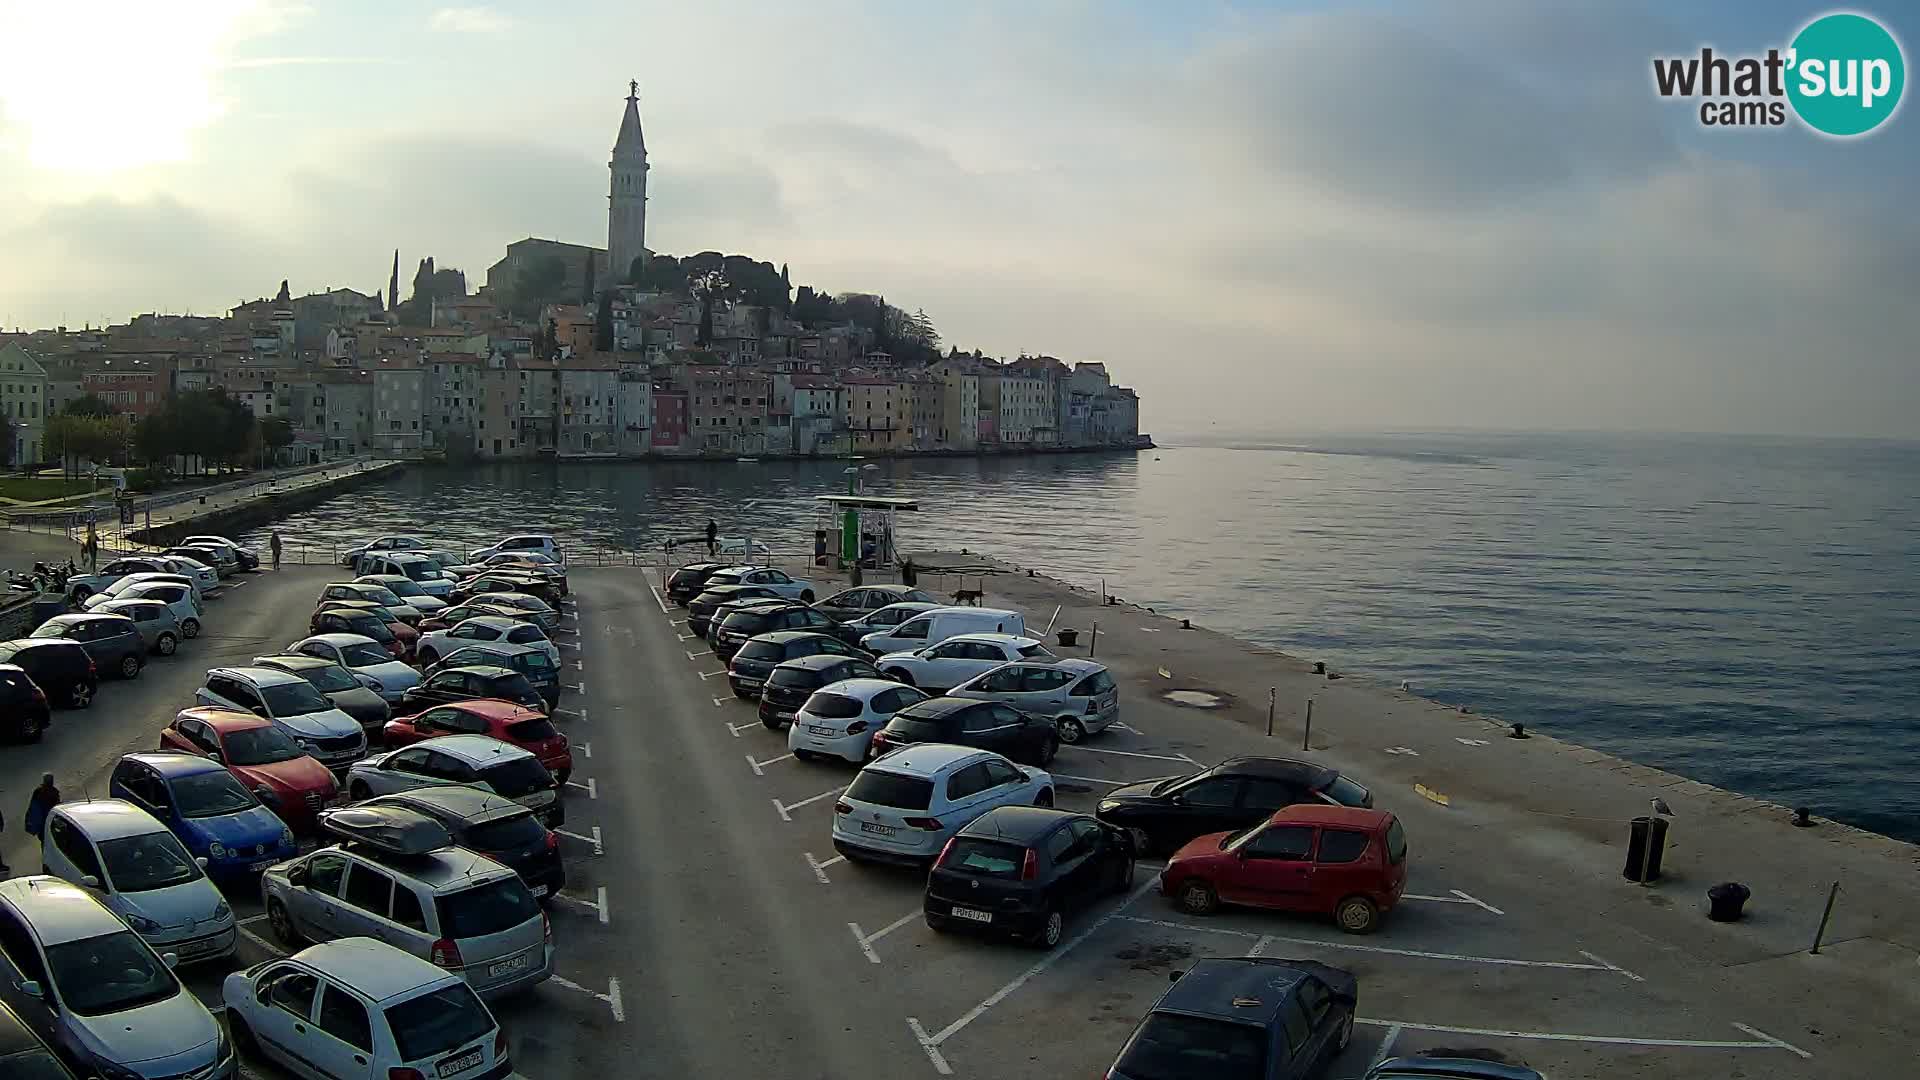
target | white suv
[{"x": 905, "y": 805}]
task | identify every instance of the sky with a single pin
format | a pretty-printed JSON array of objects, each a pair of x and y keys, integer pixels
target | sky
[{"x": 1268, "y": 218}]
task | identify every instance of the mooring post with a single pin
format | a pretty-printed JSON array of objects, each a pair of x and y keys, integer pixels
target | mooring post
[
  {"x": 1093, "y": 640},
  {"x": 1824, "y": 916},
  {"x": 1271, "y": 692},
  {"x": 1306, "y": 736}
]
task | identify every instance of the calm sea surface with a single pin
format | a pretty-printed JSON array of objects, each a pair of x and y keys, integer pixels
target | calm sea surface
[{"x": 1743, "y": 611}]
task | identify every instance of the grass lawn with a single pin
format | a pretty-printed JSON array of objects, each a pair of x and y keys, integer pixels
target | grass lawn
[{"x": 35, "y": 488}]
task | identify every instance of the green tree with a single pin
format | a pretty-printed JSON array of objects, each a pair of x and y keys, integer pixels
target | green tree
[
  {"x": 89, "y": 405},
  {"x": 603, "y": 323},
  {"x": 7, "y": 439},
  {"x": 276, "y": 434},
  {"x": 708, "y": 287}
]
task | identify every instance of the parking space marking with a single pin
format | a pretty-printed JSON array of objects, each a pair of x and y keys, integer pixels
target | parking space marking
[
  {"x": 1610, "y": 966},
  {"x": 1386, "y": 1044},
  {"x": 820, "y": 868},
  {"x": 1563, "y": 965},
  {"x": 585, "y": 748},
  {"x": 705, "y": 675},
  {"x": 611, "y": 997},
  {"x": 578, "y": 688},
  {"x": 687, "y": 637},
  {"x": 251, "y": 919},
  {"x": 591, "y": 787},
  {"x": 719, "y": 703},
  {"x": 757, "y": 766},
  {"x": 597, "y": 905},
  {"x": 1133, "y": 753},
  {"x": 568, "y": 645},
  {"x": 783, "y": 809},
  {"x": 1260, "y": 947},
  {"x": 579, "y": 665},
  {"x": 1458, "y": 897},
  {"x": 698, "y": 655},
  {"x": 931, "y": 1043},
  {"x": 1118, "y": 726},
  {"x": 735, "y": 729},
  {"x": 260, "y": 942},
  {"x": 1761, "y": 1040},
  {"x": 578, "y": 713},
  {"x": 599, "y": 848},
  {"x": 676, "y": 622},
  {"x": 865, "y": 940}
]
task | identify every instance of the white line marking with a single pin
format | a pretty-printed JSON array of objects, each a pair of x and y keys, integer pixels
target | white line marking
[
  {"x": 1564, "y": 965},
  {"x": 1764, "y": 1037},
  {"x": 820, "y": 868},
  {"x": 1128, "y": 753},
  {"x": 598, "y": 847},
  {"x": 568, "y": 645},
  {"x": 611, "y": 997},
  {"x": 698, "y": 655},
  {"x": 251, "y": 919},
  {"x": 719, "y": 703},
  {"x": 687, "y": 637},
  {"x": 578, "y": 688},
  {"x": 581, "y": 713},
  {"x": 1458, "y": 897},
  {"x": 1039, "y": 966},
  {"x": 1469, "y": 742},
  {"x": 591, "y": 787},
  {"x": 933, "y": 1050},
  {"x": 588, "y": 904},
  {"x": 561, "y": 980},
  {"x": 585, "y": 748},
  {"x": 1386, "y": 1044},
  {"x": 601, "y": 904},
  {"x": 783, "y": 808},
  {"x": 1260, "y": 947},
  {"x": 1769, "y": 1043},
  {"x": 657, "y": 600},
  {"x": 1118, "y": 726},
  {"x": 861, "y": 940},
  {"x": 1476, "y": 902},
  {"x": 1406, "y": 751},
  {"x": 736, "y": 729},
  {"x": 261, "y": 942},
  {"x": 758, "y": 765},
  {"x": 579, "y": 665},
  {"x": 705, "y": 675},
  {"x": 613, "y": 1000},
  {"x": 1188, "y": 760},
  {"x": 891, "y": 927},
  {"x": 1089, "y": 779},
  {"x": 676, "y": 622},
  {"x": 1611, "y": 966}
]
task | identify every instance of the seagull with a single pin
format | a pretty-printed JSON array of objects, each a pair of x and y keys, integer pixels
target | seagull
[{"x": 1660, "y": 807}]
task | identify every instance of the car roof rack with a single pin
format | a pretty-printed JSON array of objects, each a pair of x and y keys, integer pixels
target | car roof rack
[{"x": 387, "y": 830}]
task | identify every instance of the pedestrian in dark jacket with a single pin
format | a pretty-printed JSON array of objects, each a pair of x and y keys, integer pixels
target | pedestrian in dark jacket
[
  {"x": 713, "y": 536},
  {"x": 44, "y": 798}
]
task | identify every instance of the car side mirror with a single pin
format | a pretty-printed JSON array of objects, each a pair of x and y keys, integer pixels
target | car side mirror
[
  {"x": 1174, "y": 976},
  {"x": 200, "y": 862},
  {"x": 1178, "y": 800},
  {"x": 297, "y": 876},
  {"x": 257, "y": 710},
  {"x": 89, "y": 881},
  {"x": 32, "y": 988},
  {"x": 172, "y": 960},
  {"x": 1024, "y": 775}
]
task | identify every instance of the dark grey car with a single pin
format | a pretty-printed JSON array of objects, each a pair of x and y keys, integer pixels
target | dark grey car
[
  {"x": 113, "y": 641},
  {"x": 347, "y": 691},
  {"x": 849, "y": 604}
]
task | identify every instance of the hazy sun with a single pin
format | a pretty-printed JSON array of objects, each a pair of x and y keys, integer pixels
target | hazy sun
[{"x": 112, "y": 84}]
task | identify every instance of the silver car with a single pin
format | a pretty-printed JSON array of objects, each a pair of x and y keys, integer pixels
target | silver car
[
  {"x": 71, "y": 969},
  {"x": 1079, "y": 696},
  {"x": 158, "y": 625},
  {"x": 128, "y": 860},
  {"x": 452, "y": 907}
]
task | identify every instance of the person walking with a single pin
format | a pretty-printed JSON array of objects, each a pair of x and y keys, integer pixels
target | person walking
[
  {"x": 274, "y": 544},
  {"x": 713, "y": 538},
  {"x": 44, "y": 798}
]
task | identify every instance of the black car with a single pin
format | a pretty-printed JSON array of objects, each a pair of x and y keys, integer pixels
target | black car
[
  {"x": 470, "y": 682},
  {"x": 1166, "y": 813},
  {"x": 23, "y": 704},
  {"x": 886, "y": 618},
  {"x": 747, "y": 621},
  {"x": 691, "y": 580},
  {"x": 792, "y": 682},
  {"x": 1021, "y": 870},
  {"x": 748, "y": 670},
  {"x": 1427, "y": 1067},
  {"x": 338, "y": 685},
  {"x": 854, "y": 603},
  {"x": 494, "y": 826},
  {"x": 23, "y": 1055},
  {"x": 988, "y": 725},
  {"x": 57, "y": 666},
  {"x": 1251, "y": 1018},
  {"x": 700, "y": 609}
]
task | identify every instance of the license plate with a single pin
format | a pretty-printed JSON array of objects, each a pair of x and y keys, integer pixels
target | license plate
[
  {"x": 454, "y": 1066},
  {"x": 971, "y": 915},
  {"x": 536, "y": 800},
  {"x": 877, "y": 830},
  {"x": 260, "y": 865},
  {"x": 827, "y": 732},
  {"x": 538, "y": 891},
  {"x": 781, "y": 714},
  {"x": 508, "y": 967}
]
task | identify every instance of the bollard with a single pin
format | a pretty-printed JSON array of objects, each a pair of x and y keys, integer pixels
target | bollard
[
  {"x": 1306, "y": 737},
  {"x": 1186, "y": 624},
  {"x": 1093, "y": 639},
  {"x": 1824, "y": 916},
  {"x": 1802, "y": 817},
  {"x": 1272, "y": 691},
  {"x": 1519, "y": 731}
]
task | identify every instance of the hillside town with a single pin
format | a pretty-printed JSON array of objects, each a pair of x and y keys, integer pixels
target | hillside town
[{"x": 572, "y": 351}]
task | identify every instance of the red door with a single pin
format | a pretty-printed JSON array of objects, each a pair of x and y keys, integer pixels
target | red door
[
  {"x": 1347, "y": 863},
  {"x": 1275, "y": 869}
]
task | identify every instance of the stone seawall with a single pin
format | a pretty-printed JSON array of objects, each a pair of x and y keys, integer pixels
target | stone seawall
[{"x": 258, "y": 509}]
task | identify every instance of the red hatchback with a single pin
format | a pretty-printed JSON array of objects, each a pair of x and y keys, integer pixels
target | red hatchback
[
  {"x": 528, "y": 729},
  {"x": 1322, "y": 860},
  {"x": 262, "y": 757}
]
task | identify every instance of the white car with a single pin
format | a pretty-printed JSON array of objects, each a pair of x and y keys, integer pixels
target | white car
[
  {"x": 204, "y": 576},
  {"x": 478, "y": 760},
  {"x": 356, "y": 1007},
  {"x": 167, "y": 589},
  {"x": 382, "y": 543},
  {"x": 224, "y": 560},
  {"x": 540, "y": 542},
  {"x": 437, "y": 643},
  {"x": 412, "y": 565},
  {"x": 957, "y": 659},
  {"x": 82, "y": 586},
  {"x": 767, "y": 578},
  {"x": 374, "y": 594},
  {"x": 131, "y": 863},
  {"x": 840, "y": 718},
  {"x": 362, "y": 656},
  {"x": 906, "y": 804},
  {"x": 412, "y": 593},
  {"x": 246, "y": 559}
]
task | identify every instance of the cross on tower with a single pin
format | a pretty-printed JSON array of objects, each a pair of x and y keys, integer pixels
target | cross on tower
[{"x": 633, "y": 89}]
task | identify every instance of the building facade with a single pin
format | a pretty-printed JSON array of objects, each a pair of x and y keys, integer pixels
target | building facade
[{"x": 23, "y": 398}]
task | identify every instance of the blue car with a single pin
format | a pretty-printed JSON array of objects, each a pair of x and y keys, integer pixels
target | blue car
[{"x": 212, "y": 813}]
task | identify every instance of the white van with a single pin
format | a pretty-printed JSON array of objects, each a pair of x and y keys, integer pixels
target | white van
[{"x": 935, "y": 626}]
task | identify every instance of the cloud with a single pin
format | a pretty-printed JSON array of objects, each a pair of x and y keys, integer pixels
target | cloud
[{"x": 470, "y": 20}]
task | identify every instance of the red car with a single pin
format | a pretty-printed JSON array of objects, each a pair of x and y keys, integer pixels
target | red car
[
  {"x": 262, "y": 757},
  {"x": 1322, "y": 860},
  {"x": 528, "y": 729}
]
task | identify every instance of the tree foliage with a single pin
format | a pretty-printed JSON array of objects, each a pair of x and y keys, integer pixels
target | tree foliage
[
  {"x": 89, "y": 405},
  {"x": 201, "y": 423}
]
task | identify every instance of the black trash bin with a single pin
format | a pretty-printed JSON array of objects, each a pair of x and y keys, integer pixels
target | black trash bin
[
  {"x": 1639, "y": 859},
  {"x": 1726, "y": 900}
]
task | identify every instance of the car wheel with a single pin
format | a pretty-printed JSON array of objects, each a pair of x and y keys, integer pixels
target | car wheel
[
  {"x": 243, "y": 1039},
  {"x": 166, "y": 644},
  {"x": 129, "y": 666},
  {"x": 427, "y": 657},
  {"x": 1047, "y": 750},
  {"x": 742, "y": 694},
  {"x": 770, "y": 725},
  {"x": 1198, "y": 898},
  {"x": 1053, "y": 927},
  {"x": 80, "y": 594},
  {"x": 1142, "y": 842},
  {"x": 1044, "y": 799},
  {"x": 1357, "y": 915},
  {"x": 190, "y": 628},
  {"x": 904, "y": 678},
  {"x": 560, "y": 778},
  {"x": 81, "y": 695},
  {"x": 1070, "y": 730},
  {"x": 1346, "y": 1034},
  {"x": 806, "y": 596},
  {"x": 358, "y": 791},
  {"x": 31, "y": 728},
  {"x": 282, "y": 923},
  {"x": 805, "y": 755},
  {"x": 938, "y": 924},
  {"x": 1126, "y": 876}
]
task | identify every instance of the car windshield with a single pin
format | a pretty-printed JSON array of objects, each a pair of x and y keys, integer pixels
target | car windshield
[
  {"x": 33, "y": 1065},
  {"x": 514, "y": 833},
  {"x": 149, "y": 861},
  {"x": 51, "y": 630},
  {"x": 535, "y": 730},
  {"x": 1347, "y": 793},
  {"x": 293, "y": 699},
  {"x": 517, "y": 777},
  {"x": 426, "y": 570},
  {"x": 1174, "y": 1047},
  {"x": 883, "y": 788},
  {"x": 533, "y": 661},
  {"x": 794, "y": 678},
  {"x": 437, "y": 1022},
  {"x": 381, "y": 595},
  {"x": 329, "y": 678},
  {"x": 525, "y": 634},
  {"x": 363, "y": 654},
  {"x": 406, "y": 588},
  {"x": 499, "y": 905},
  {"x": 986, "y": 858},
  {"x": 746, "y": 622},
  {"x": 915, "y": 729},
  {"x": 260, "y": 746},
  {"x": 1170, "y": 782},
  {"x": 832, "y": 706},
  {"x": 515, "y": 687},
  {"x": 372, "y": 626},
  {"x": 762, "y": 650},
  {"x": 211, "y": 794},
  {"x": 109, "y": 973}
]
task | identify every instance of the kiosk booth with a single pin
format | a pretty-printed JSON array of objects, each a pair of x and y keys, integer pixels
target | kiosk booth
[{"x": 858, "y": 529}]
